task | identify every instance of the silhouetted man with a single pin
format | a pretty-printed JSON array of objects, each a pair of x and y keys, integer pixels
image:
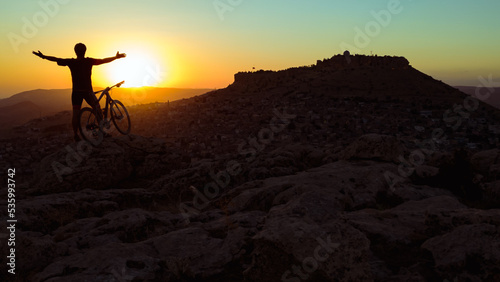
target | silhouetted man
[{"x": 81, "y": 72}]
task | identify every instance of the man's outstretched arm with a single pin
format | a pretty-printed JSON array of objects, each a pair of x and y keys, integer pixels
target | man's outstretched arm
[
  {"x": 110, "y": 59},
  {"x": 50, "y": 58}
]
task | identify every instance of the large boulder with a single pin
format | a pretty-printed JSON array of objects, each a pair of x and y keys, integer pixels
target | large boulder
[
  {"x": 443, "y": 223},
  {"x": 110, "y": 262},
  {"x": 347, "y": 186},
  {"x": 291, "y": 247},
  {"x": 82, "y": 165},
  {"x": 468, "y": 253},
  {"x": 79, "y": 166}
]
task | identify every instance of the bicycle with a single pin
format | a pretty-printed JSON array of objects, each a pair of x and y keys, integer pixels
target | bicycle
[{"x": 92, "y": 130}]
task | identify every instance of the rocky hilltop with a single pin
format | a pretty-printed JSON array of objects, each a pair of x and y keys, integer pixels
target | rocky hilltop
[
  {"x": 336, "y": 63},
  {"x": 367, "y": 170}
]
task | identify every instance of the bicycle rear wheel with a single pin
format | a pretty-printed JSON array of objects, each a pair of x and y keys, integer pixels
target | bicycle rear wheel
[
  {"x": 89, "y": 126},
  {"x": 120, "y": 117}
]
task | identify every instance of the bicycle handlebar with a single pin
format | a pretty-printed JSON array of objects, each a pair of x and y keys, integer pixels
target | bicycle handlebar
[
  {"x": 118, "y": 84},
  {"x": 109, "y": 88}
]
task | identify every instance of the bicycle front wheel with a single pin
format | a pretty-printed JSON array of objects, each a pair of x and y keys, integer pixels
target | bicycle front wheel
[
  {"x": 120, "y": 117},
  {"x": 89, "y": 126}
]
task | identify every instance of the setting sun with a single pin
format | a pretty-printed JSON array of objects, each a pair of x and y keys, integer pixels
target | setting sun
[{"x": 139, "y": 68}]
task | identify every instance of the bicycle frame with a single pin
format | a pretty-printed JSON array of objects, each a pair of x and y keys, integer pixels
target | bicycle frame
[
  {"x": 93, "y": 122},
  {"x": 105, "y": 92}
]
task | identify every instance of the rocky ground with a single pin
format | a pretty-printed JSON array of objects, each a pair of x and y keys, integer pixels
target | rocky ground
[
  {"x": 280, "y": 201},
  {"x": 127, "y": 213}
]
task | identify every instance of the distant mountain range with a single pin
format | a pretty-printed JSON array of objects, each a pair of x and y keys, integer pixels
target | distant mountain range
[
  {"x": 493, "y": 99},
  {"x": 28, "y": 105},
  {"x": 18, "y": 113}
]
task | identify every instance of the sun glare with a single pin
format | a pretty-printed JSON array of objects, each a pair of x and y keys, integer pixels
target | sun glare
[{"x": 138, "y": 69}]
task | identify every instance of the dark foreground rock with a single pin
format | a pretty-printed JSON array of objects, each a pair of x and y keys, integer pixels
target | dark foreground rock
[
  {"x": 338, "y": 221},
  {"x": 283, "y": 176}
]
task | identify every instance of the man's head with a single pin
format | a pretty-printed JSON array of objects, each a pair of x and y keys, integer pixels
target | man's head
[{"x": 80, "y": 50}]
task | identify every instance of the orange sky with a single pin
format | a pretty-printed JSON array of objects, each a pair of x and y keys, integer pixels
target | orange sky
[{"x": 201, "y": 44}]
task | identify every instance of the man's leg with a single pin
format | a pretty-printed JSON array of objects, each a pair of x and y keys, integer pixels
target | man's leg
[
  {"x": 91, "y": 99},
  {"x": 94, "y": 103},
  {"x": 76, "y": 121},
  {"x": 98, "y": 111},
  {"x": 76, "y": 101}
]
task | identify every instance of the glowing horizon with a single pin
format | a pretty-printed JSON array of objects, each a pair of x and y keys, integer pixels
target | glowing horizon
[{"x": 202, "y": 44}]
